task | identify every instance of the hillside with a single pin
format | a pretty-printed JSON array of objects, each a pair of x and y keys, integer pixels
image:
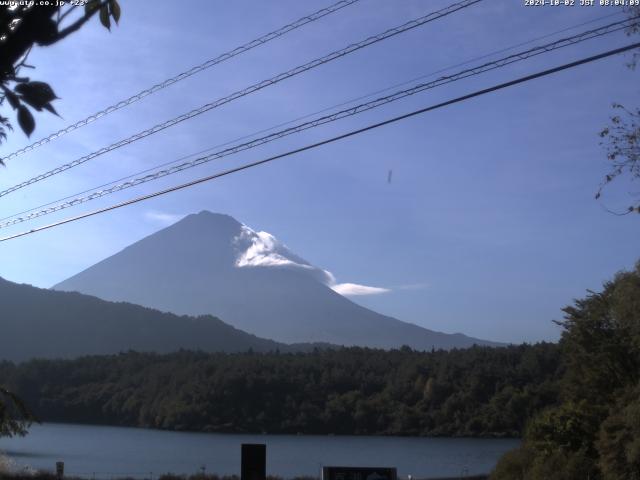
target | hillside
[{"x": 48, "y": 324}]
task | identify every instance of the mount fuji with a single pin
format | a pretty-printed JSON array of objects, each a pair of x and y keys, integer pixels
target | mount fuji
[{"x": 212, "y": 264}]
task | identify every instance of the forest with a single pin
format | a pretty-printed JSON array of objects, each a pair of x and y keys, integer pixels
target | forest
[
  {"x": 481, "y": 391},
  {"x": 593, "y": 431},
  {"x": 575, "y": 404}
]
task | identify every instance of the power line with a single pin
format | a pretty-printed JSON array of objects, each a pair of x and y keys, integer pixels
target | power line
[
  {"x": 186, "y": 74},
  {"x": 247, "y": 166},
  {"x": 341, "y": 104},
  {"x": 326, "y": 109},
  {"x": 253, "y": 88},
  {"x": 499, "y": 63}
]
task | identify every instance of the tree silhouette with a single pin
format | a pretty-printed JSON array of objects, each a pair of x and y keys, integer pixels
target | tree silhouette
[
  {"x": 15, "y": 417},
  {"x": 621, "y": 137},
  {"x": 594, "y": 430},
  {"x": 21, "y": 28}
]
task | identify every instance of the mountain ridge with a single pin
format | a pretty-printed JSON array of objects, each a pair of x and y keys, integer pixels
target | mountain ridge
[
  {"x": 209, "y": 263},
  {"x": 43, "y": 323}
]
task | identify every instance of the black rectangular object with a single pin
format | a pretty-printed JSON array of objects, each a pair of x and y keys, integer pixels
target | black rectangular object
[
  {"x": 254, "y": 461},
  {"x": 359, "y": 473}
]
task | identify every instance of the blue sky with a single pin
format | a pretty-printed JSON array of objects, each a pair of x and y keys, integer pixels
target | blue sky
[{"x": 489, "y": 226}]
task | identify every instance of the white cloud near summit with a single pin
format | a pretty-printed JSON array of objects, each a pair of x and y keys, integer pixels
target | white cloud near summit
[
  {"x": 261, "y": 249},
  {"x": 353, "y": 289}
]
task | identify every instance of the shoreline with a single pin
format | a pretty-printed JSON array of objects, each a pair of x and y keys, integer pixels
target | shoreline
[
  {"x": 282, "y": 434},
  {"x": 170, "y": 476},
  {"x": 86, "y": 449}
]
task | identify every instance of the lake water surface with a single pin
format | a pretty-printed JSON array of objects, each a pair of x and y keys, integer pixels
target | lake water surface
[{"x": 106, "y": 452}]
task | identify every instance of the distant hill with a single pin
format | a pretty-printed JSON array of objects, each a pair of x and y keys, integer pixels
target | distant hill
[
  {"x": 47, "y": 324},
  {"x": 212, "y": 264}
]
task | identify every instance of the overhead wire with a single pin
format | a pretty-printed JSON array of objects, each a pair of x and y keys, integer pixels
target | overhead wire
[
  {"x": 330, "y": 140},
  {"x": 251, "y": 89},
  {"x": 186, "y": 74},
  {"x": 317, "y": 112},
  {"x": 489, "y": 66},
  {"x": 326, "y": 109}
]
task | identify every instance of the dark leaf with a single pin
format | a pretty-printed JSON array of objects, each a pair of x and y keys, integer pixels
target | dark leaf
[
  {"x": 26, "y": 121},
  {"x": 49, "y": 107},
  {"x": 13, "y": 99},
  {"x": 104, "y": 17},
  {"x": 114, "y": 7},
  {"x": 91, "y": 6},
  {"x": 36, "y": 94},
  {"x": 32, "y": 104}
]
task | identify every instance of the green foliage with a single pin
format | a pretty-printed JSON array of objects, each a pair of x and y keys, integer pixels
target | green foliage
[
  {"x": 524, "y": 464},
  {"x": 595, "y": 431},
  {"x": 479, "y": 391},
  {"x": 515, "y": 464},
  {"x": 618, "y": 442},
  {"x": 14, "y": 415},
  {"x": 568, "y": 427},
  {"x": 561, "y": 465}
]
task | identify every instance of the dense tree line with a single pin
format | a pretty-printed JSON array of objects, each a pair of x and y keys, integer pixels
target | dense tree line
[
  {"x": 480, "y": 391},
  {"x": 594, "y": 430}
]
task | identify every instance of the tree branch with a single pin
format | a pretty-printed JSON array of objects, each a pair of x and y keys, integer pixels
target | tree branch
[
  {"x": 75, "y": 26},
  {"x": 69, "y": 10}
]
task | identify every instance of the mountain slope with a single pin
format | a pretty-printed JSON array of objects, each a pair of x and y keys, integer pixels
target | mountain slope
[
  {"x": 47, "y": 324},
  {"x": 212, "y": 264}
]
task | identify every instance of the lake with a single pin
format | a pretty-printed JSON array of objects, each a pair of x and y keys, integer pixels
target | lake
[{"x": 106, "y": 452}]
